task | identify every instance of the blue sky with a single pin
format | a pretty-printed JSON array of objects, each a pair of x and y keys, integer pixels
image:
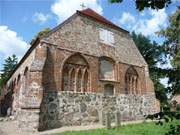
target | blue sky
[{"x": 20, "y": 20}]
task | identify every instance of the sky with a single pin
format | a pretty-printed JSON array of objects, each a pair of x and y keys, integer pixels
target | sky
[{"x": 21, "y": 20}]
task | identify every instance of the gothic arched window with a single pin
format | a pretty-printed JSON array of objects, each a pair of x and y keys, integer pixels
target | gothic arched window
[
  {"x": 106, "y": 68},
  {"x": 131, "y": 81},
  {"x": 25, "y": 78},
  {"x": 19, "y": 78},
  {"x": 75, "y": 74}
]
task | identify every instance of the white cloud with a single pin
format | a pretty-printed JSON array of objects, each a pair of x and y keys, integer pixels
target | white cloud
[
  {"x": 164, "y": 81},
  {"x": 127, "y": 18},
  {"x": 150, "y": 26},
  {"x": 147, "y": 26},
  {"x": 11, "y": 43},
  {"x": 65, "y": 8},
  {"x": 40, "y": 17}
]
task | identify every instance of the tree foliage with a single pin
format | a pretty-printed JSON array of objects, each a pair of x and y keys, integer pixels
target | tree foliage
[
  {"x": 172, "y": 48},
  {"x": 172, "y": 34},
  {"x": 153, "y": 4},
  {"x": 40, "y": 34},
  {"x": 8, "y": 68},
  {"x": 152, "y": 52}
]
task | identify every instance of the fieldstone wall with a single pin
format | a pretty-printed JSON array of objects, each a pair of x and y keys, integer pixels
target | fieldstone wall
[
  {"x": 28, "y": 119},
  {"x": 67, "y": 108}
]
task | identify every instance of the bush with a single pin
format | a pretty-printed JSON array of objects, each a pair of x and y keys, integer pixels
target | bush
[{"x": 178, "y": 107}]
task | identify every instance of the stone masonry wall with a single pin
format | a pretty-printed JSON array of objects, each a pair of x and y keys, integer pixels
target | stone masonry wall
[
  {"x": 81, "y": 34},
  {"x": 52, "y": 79},
  {"x": 32, "y": 94},
  {"x": 67, "y": 108}
]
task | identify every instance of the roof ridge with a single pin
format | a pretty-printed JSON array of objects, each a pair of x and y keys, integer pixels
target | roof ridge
[{"x": 91, "y": 13}]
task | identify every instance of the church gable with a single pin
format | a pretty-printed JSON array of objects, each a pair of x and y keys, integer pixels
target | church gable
[{"x": 89, "y": 33}]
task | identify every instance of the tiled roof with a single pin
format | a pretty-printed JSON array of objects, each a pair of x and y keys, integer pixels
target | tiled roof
[{"x": 90, "y": 13}]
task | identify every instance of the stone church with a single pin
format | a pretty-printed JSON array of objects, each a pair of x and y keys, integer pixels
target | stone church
[{"x": 81, "y": 69}]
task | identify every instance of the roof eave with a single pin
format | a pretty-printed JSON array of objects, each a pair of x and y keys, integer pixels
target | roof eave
[
  {"x": 35, "y": 43},
  {"x": 111, "y": 25}
]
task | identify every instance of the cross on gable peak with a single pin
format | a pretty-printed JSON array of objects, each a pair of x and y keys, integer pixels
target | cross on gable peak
[{"x": 82, "y": 6}]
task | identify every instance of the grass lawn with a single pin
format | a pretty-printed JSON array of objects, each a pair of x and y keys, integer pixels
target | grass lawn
[{"x": 134, "y": 129}]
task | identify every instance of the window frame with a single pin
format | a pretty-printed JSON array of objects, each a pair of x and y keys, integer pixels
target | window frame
[{"x": 106, "y": 36}]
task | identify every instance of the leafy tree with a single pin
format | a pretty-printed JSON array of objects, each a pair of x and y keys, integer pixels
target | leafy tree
[
  {"x": 152, "y": 53},
  {"x": 153, "y": 4},
  {"x": 9, "y": 66},
  {"x": 172, "y": 48},
  {"x": 172, "y": 34},
  {"x": 40, "y": 34},
  {"x": 176, "y": 60}
]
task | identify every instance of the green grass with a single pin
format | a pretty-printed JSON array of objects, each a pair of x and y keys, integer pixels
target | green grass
[{"x": 149, "y": 128}]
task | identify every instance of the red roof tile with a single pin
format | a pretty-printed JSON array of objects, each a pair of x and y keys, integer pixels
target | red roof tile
[{"x": 90, "y": 13}]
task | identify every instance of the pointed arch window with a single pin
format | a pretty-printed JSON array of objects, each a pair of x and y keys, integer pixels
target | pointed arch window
[
  {"x": 18, "y": 82},
  {"x": 131, "y": 81},
  {"x": 75, "y": 74},
  {"x": 26, "y": 77}
]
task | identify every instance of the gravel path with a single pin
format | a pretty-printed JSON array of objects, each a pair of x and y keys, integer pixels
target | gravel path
[
  {"x": 1, "y": 132},
  {"x": 11, "y": 128}
]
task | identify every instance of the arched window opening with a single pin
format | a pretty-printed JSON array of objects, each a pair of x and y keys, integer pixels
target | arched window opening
[
  {"x": 74, "y": 77},
  {"x": 25, "y": 78},
  {"x": 65, "y": 79},
  {"x": 14, "y": 84},
  {"x": 19, "y": 77},
  {"x": 79, "y": 80},
  {"x": 109, "y": 89},
  {"x": 15, "y": 81},
  {"x": 106, "y": 68},
  {"x": 72, "y": 80},
  {"x": 11, "y": 87},
  {"x": 86, "y": 83},
  {"x": 26, "y": 71},
  {"x": 131, "y": 81}
]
